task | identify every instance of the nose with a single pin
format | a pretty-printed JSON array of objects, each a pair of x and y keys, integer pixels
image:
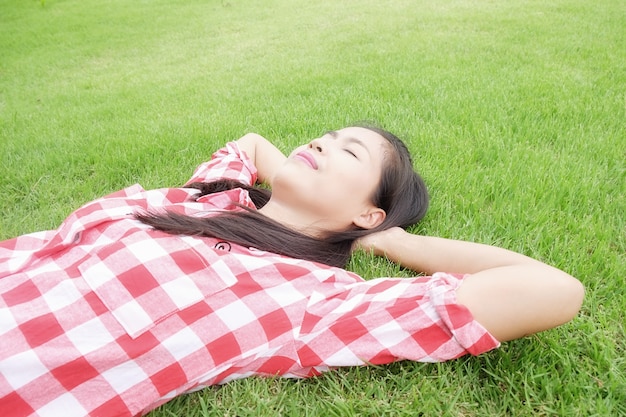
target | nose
[{"x": 316, "y": 144}]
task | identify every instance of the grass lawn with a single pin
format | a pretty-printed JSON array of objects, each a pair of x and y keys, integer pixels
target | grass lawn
[{"x": 515, "y": 112}]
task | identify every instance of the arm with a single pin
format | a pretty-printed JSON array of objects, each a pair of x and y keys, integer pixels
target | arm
[
  {"x": 264, "y": 155},
  {"x": 430, "y": 254},
  {"x": 510, "y": 294}
]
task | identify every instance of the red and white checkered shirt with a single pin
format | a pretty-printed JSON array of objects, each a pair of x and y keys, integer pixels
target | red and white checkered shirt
[{"x": 105, "y": 316}]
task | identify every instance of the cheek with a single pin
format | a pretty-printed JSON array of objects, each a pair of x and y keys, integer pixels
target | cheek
[
  {"x": 362, "y": 183},
  {"x": 352, "y": 189}
]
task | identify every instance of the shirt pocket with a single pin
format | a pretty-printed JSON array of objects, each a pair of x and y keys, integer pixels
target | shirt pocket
[{"x": 147, "y": 276}]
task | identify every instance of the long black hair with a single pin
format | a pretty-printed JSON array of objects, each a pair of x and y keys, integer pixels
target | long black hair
[{"x": 401, "y": 193}]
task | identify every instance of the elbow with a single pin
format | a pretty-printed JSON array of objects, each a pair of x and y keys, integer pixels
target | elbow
[{"x": 572, "y": 294}]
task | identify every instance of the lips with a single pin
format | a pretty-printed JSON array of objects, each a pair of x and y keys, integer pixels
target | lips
[{"x": 307, "y": 158}]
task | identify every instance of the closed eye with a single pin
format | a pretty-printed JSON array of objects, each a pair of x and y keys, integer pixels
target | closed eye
[{"x": 351, "y": 153}]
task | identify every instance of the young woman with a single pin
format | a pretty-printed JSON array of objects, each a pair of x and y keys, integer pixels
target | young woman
[{"x": 143, "y": 295}]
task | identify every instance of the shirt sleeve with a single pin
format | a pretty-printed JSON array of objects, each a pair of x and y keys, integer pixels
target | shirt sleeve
[
  {"x": 389, "y": 319},
  {"x": 230, "y": 162}
]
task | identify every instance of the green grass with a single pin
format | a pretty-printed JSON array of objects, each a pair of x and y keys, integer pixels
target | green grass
[{"x": 515, "y": 112}]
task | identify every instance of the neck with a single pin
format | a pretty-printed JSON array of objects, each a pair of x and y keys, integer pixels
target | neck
[{"x": 296, "y": 219}]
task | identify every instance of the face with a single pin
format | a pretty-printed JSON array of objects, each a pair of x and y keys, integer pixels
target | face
[{"x": 333, "y": 177}]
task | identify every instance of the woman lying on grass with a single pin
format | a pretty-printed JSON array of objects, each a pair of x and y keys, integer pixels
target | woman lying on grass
[{"x": 143, "y": 295}]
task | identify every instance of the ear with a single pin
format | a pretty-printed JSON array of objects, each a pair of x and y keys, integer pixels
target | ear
[{"x": 370, "y": 218}]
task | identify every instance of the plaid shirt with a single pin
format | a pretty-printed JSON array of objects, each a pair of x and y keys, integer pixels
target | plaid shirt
[{"x": 105, "y": 316}]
